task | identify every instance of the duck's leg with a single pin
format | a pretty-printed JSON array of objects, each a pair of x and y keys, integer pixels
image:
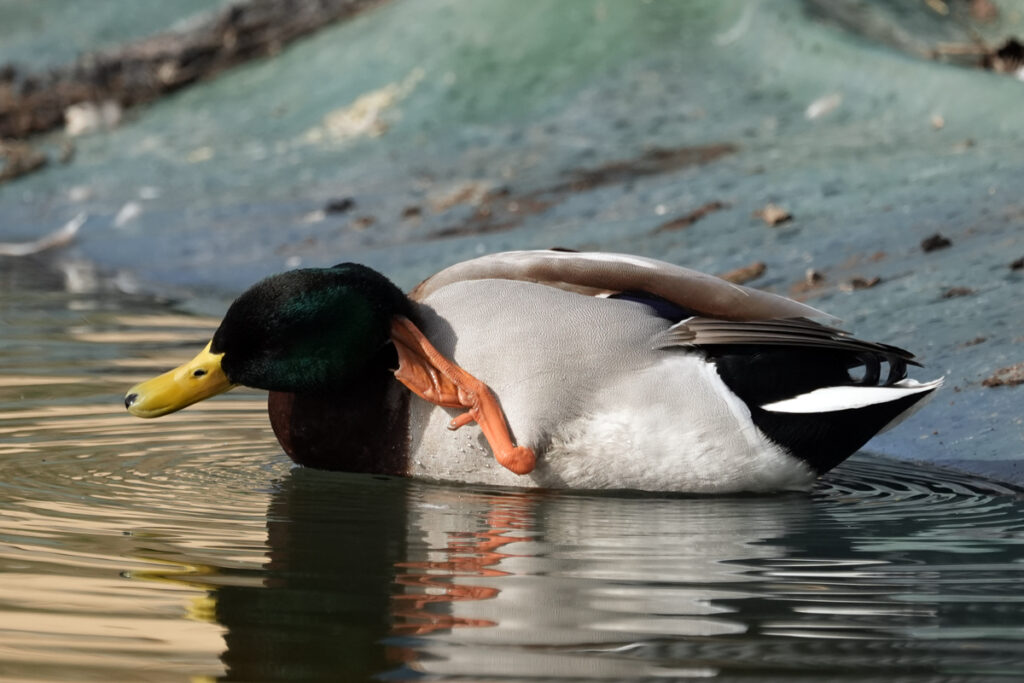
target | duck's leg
[{"x": 431, "y": 376}]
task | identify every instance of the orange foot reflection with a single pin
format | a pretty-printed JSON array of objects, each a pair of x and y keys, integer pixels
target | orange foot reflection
[{"x": 470, "y": 554}]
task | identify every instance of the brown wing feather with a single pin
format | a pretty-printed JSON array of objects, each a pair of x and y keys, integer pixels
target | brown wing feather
[
  {"x": 599, "y": 273},
  {"x": 794, "y": 332}
]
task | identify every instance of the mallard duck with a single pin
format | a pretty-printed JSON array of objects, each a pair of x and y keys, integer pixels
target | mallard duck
[{"x": 579, "y": 370}]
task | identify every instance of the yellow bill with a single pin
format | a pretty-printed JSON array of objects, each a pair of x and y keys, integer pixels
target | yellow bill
[{"x": 196, "y": 380}]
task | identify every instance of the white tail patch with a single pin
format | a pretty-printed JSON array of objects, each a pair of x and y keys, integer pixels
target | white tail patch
[{"x": 831, "y": 399}]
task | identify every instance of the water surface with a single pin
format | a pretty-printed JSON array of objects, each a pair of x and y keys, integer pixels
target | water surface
[{"x": 190, "y": 547}]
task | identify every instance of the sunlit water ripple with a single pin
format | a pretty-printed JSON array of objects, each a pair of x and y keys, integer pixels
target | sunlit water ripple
[{"x": 189, "y": 547}]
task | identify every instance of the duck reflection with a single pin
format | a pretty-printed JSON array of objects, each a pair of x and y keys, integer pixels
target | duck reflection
[
  {"x": 367, "y": 576},
  {"x": 324, "y": 609},
  {"x": 587, "y": 579}
]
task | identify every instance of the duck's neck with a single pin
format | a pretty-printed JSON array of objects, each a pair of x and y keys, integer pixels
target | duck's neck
[{"x": 358, "y": 426}]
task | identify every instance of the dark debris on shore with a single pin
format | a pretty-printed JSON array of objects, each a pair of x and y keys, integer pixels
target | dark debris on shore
[{"x": 144, "y": 70}]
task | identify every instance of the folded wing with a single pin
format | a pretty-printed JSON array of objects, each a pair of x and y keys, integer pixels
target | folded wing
[{"x": 601, "y": 274}]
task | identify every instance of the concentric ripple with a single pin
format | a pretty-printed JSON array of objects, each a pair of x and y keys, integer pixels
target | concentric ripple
[
  {"x": 90, "y": 495},
  {"x": 189, "y": 546}
]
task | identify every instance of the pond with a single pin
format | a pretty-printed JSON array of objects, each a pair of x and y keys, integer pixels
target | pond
[{"x": 191, "y": 548}]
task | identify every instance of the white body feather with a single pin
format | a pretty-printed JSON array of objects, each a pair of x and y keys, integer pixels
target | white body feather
[{"x": 627, "y": 416}]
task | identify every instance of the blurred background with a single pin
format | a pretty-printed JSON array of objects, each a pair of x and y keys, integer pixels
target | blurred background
[{"x": 862, "y": 156}]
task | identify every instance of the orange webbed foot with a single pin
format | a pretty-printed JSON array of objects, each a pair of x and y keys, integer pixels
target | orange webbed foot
[{"x": 431, "y": 376}]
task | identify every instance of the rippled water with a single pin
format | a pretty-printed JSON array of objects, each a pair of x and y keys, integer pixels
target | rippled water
[{"x": 189, "y": 547}]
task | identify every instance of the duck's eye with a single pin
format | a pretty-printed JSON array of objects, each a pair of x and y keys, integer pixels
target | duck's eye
[{"x": 198, "y": 373}]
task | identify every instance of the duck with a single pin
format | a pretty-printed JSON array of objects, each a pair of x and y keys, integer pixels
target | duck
[{"x": 551, "y": 369}]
